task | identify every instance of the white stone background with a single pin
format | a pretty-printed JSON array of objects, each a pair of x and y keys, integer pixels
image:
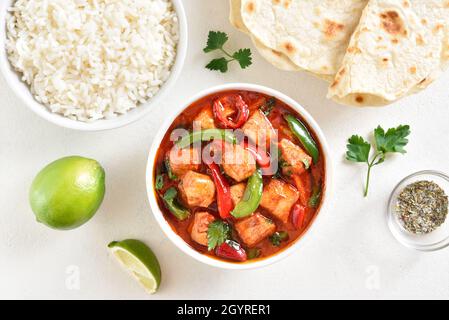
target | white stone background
[{"x": 351, "y": 255}]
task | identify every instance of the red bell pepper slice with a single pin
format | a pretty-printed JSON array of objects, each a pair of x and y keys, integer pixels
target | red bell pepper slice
[
  {"x": 236, "y": 102},
  {"x": 262, "y": 158},
  {"x": 224, "y": 199},
  {"x": 298, "y": 215},
  {"x": 231, "y": 250}
]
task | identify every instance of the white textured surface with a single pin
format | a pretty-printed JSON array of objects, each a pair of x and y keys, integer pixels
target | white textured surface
[{"x": 351, "y": 244}]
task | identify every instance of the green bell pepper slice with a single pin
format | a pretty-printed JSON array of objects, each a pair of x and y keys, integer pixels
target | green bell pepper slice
[
  {"x": 251, "y": 198},
  {"x": 172, "y": 204},
  {"x": 301, "y": 132},
  {"x": 206, "y": 135}
]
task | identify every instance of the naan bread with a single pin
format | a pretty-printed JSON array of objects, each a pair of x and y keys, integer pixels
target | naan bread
[
  {"x": 312, "y": 34},
  {"x": 398, "y": 49}
]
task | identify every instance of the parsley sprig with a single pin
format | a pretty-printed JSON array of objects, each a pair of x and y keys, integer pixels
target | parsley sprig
[
  {"x": 216, "y": 40},
  {"x": 392, "y": 141}
]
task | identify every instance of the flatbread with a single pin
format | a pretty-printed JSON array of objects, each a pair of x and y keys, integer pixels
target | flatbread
[
  {"x": 235, "y": 17},
  {"x": 399, "y": 48},
  {"x": 312, "y": 34},
  {"x": 277, "y": 59}
]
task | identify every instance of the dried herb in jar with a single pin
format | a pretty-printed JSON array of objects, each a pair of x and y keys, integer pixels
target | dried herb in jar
[{"x": 422, "y": 206}]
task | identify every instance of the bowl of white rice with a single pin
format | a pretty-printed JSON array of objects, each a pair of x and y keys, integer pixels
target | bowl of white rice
[{"x": 92, "y": 64}]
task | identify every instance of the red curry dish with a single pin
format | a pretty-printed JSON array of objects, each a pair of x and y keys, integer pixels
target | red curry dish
[{"x": 244, "y": 179}]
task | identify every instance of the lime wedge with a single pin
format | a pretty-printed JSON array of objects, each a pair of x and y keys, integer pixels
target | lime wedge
[{"x": 140, "y": 261}]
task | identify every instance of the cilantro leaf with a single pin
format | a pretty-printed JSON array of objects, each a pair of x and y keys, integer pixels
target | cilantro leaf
[
  {"x": 218, "y": 65},
  {"x": 243, "y": 56},
  {"x": 278, "y": 237},
  {"x": 170, "y": 173},
  {"x": 268, "y": 106},
  {"x": 159, "y": 182},
  {"x": 217, "y": 233},
  {"x": 215, "y": 41},
  {"x": 394, "y": 140},
  {"x": 316, "y": 196},
  {"x": 253, "y": 253},
  {"x": 358, "y": 149}
]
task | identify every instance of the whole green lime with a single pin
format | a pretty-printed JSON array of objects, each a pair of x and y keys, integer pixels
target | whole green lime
[{"x": 67, "y": 192}]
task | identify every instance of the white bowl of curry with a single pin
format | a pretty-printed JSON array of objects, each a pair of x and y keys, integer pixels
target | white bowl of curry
[{"x": 238, "y": 176}]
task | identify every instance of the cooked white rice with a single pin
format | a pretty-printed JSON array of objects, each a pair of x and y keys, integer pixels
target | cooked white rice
[{"x": 92, "y": 59}]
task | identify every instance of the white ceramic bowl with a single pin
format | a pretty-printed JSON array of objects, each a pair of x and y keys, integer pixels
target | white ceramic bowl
[
  {"x": 23, "y": 92},
  {"x": 177, "y": 240}
]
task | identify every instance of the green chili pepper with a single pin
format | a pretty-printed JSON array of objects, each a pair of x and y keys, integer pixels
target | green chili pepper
[
  {"x": 251, "y": 198},
  {"x": 206, "y": 135},
  {"x": 172, "y": 204},
  {"x": 301, "y": 132}
]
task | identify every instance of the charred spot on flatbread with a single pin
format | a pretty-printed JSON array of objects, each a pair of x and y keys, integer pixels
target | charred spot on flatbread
[
  {"x": 422, "y": 81},
  {"x": 384, "y": 63},
  {"x": 332, "y": 28},
  {"x": 335, "y": 84},
  {"x": 277, "y": 53},
  {"x": 392, "y": 23},
  {"x": 439, "y": 27},
  {"x": 338, "y": 77},
  {"x": 250, "y": 7},
  {"x": 359, "y": 99},
  {"x": 446, "y": 49},
  {"x": 420, "y": 40},
  {"x": 289, "y": 47},
  {"x": 287, "y": 3},
  {"x": 354, "y": 50}
]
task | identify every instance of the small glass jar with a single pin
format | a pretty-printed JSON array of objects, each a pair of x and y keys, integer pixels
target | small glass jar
[{"x": 436, "y": 240}]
